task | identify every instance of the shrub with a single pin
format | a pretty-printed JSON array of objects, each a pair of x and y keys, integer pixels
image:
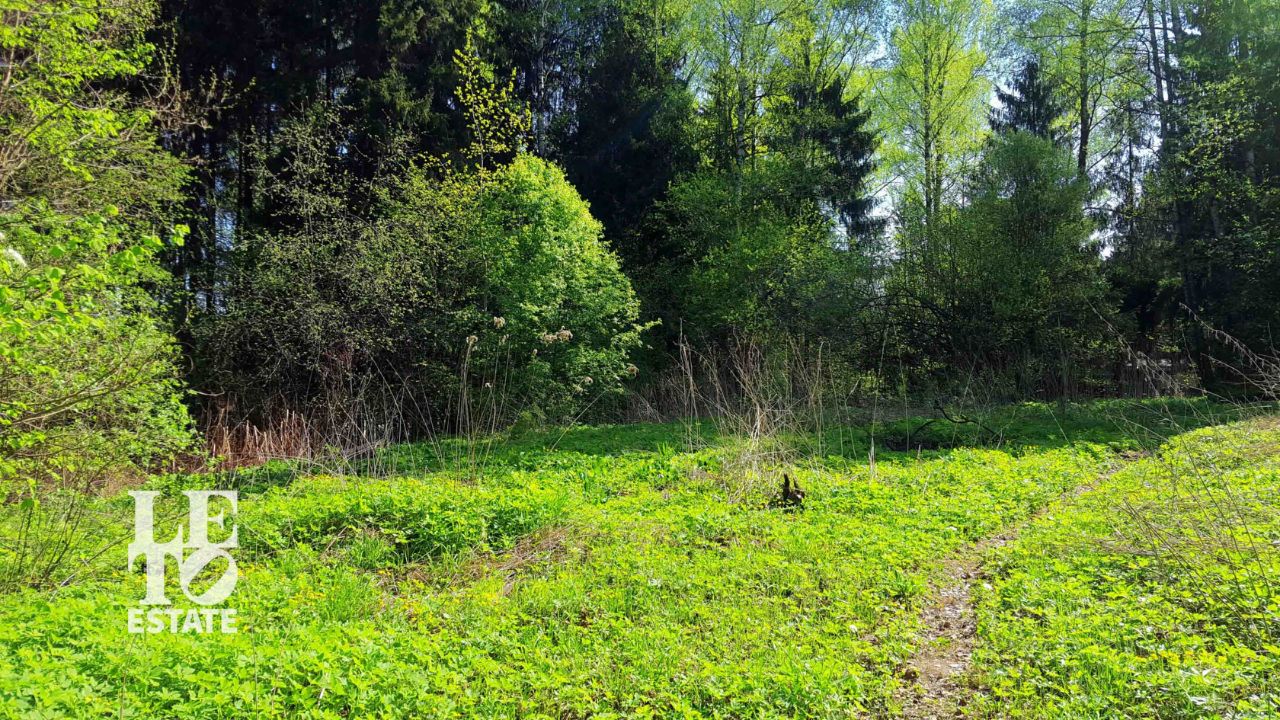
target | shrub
[
  {"x": 568, "y": 314},
  {"x": 437, "y": 278},
  {"x": 759, "y": 264},
  {"x": 449, "y": 280},
  {"x": 87, "y": 378}
]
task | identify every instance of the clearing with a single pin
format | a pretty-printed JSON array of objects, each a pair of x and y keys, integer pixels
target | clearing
[{"x": 649, "y": 571}]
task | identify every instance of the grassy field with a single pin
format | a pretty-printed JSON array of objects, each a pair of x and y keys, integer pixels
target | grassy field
[
  {"x": 1157, "y": 594},
  {"x": 648, "y": 571}
]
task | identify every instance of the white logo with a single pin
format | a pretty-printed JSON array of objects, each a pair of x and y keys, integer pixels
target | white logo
[{"x": 190, "y": 565}]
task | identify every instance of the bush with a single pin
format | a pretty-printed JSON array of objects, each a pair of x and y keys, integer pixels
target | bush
[
  {"x": 88, "y": 388},
  {"x": 450, "y": 286},
  {"x": 446, "y": 281},
  {"x": 568, "y": 314},
  {"x": 759, "y": 264}
]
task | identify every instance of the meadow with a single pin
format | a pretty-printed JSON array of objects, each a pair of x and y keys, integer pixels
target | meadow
[
  {"x": 739, "y": 359},
  {"x": 653, "y": 571}
]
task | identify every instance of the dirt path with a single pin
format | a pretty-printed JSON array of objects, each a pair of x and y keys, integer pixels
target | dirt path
[
  {"x": 937, "y": 674},
  {"x": 939, "y": 668}
]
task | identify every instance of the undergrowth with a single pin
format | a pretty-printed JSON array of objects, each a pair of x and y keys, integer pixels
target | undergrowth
[
  {"x": 1155, "y": 596},
  {"x": 626, "y": 571}
]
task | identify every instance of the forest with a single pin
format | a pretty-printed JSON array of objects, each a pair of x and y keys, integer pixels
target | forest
[{"x": 640, "y": 358}]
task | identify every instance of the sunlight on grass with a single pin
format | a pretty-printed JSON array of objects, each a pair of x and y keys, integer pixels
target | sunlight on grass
[{"x": 621, "y": 572}]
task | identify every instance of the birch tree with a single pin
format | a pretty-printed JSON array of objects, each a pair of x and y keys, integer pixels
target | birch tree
[
  {"x": 1090, "y": 51},
  {"x": 934, "y": 96}
]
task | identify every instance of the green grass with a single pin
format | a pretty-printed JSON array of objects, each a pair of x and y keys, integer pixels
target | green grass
[
  {"x": 629, "y": 571},
  {"x": 1155, "y": 596}
]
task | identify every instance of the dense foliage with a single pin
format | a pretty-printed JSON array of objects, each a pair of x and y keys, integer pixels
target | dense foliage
[
  {"x": 69, "y": 132},
  {"x": 564, "y": 314},
  {"x": 87, "y": 381},
  {"x": 89, "y": 388},
  {"x": 835, "y": 174}
]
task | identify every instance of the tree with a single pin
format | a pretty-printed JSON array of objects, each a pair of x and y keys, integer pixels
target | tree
[
  {"x": 312, "y": 313},
  {"x": 736, "y": 47},
  {"x": 569, "y": 315},
  {"x": 818, "y": 125},
  {"x": 823, "y": 137},
  {"x": 87, "y": 374},
  {"x": 89, "y": 388},
  {"x": 1031, "y": 288},
  {"x": 749, "y": 263},
  {"x": 1090, "y": 53},
  {"x": 462, "y": 270},
  {"x": 87, "y": 379},
  {"x": 1028, "y": 106},
  {"x": 629, "y": 138},
  {"x": 935, "y": 93},
  {"x": 933, "y": 101},
  {"x": 388, "y": 65},
  {"x": 69, "y": 134},
  {"x": 768, "y": 235},
  {"x": 1223, "y": 168},
  {"x": 550, "y": 46}
]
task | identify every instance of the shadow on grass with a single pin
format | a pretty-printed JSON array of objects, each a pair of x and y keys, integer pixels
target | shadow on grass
[
  {"x": 1125, "y": 425},
  {"x": 1122, "y": 424}
]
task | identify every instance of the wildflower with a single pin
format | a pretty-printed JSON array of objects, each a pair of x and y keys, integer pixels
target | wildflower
[
  {"x": 472, "y": 340},
  {"x": 564, "y": 335},
  {"x": 587, "y": 380},
  {"x": 632, "y": 370},
  {"x": 499, "y": 322}
]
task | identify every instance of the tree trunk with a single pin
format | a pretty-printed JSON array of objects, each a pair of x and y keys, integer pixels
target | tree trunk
[
  {"x": 1157, "y": 71},
  {"x": 1082, "y": 158}
]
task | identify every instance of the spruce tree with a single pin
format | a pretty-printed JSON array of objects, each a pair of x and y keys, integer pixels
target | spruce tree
[
  {"x": 823, "y": 130},
  {"x": 1028, "y": 106}
]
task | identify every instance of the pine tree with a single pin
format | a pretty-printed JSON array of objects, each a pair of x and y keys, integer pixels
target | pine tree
[
  {"x": 1028, "y": 106},
  {"x": 825, "y": 132},
  {"x": 628, "y": 139}
]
